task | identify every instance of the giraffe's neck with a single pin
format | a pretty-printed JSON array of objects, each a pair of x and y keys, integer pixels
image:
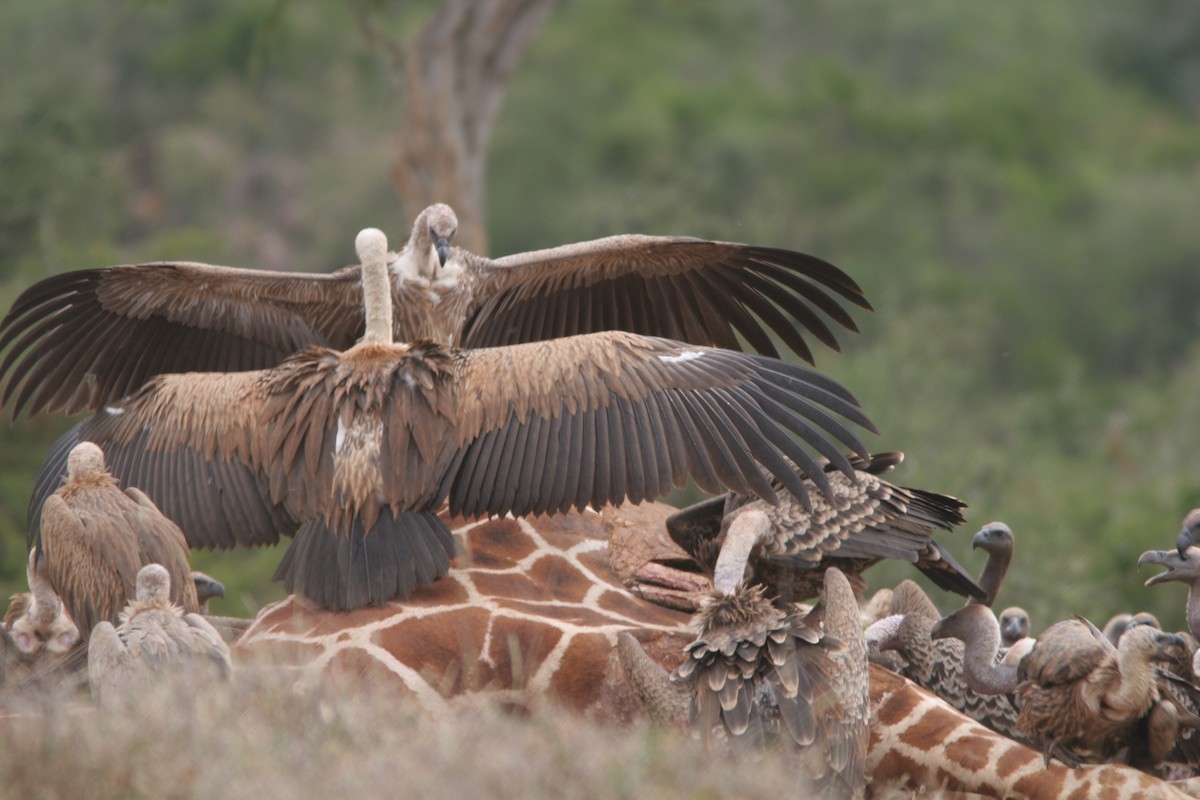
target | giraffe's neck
[{"x": 917, "y": 740}]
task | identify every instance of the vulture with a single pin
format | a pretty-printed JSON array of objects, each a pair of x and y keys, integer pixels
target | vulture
[
  {"x": 354, "y": 453},
  {"x": 1190, "y": 533},
  {"x": 1081, "y": 698},
  {"x": 1180, "y": 568},
  {"x": 1119, "y": 623},
  {"x": 787, "y": 546},
  {"x": 207, "y": 587},
  {"x": 154, "y": 636},
  {"x": 96, "y": 536},
  {"x": 996, "y": 539},
  {"x": 37, "y": 622},
  {"x": 82, "y": 340},
  {"x": 1014, "y": 625},
  {"x": 764, "y": 671},
  {"x": 938, "y": 664},
  {"x": 976, "y": 627}
]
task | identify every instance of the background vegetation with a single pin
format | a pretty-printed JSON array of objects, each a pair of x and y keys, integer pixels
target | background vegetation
[{"x": 1016, "y": 186}]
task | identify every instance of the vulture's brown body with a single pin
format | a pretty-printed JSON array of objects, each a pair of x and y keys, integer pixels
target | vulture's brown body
[
  {"x": 355, "y": 452},
  {"x": 862, "y": 521},
  {"x": 1083, "y": 699},
  {"x": 138, "y": 321},
  {"x": 760, "y": 669},
  {"x": 154, "y": 636},
  {"x": 96, "y": 536}
]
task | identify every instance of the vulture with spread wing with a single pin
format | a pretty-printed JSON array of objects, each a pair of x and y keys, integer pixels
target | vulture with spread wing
[
  {"x": 81, "y": 340},
  {"x": 355, "y": 452}
]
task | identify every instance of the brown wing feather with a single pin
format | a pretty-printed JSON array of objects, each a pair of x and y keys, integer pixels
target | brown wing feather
[
  {"x": 693, "y": 290},
  {"x": 162, "y": 542},
  {"x": 125, "y": 324},
  {"x": 91, "y": 561}
]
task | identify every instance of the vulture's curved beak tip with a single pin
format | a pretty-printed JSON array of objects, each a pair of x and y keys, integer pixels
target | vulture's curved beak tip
[{"x": 443, "y": 250}]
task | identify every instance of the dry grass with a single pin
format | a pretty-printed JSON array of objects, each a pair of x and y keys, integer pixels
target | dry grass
[{"x": 260, "y": 737}]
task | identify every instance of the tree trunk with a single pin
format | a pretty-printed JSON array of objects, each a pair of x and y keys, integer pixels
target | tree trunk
[{"x": 456, "y": 71}]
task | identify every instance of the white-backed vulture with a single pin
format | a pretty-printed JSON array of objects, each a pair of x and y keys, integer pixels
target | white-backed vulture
[
  {"x": 95, "y": 537},
  {"x": 81, "y": 340},
  {"x": 938, "y": 664},
  {"x": 996, "y": 539},
  {"x": 1081, "y": 698},
  {"x": 763, "y": 670},
  {"x": 207, "y": 587},
  {"x": 976, "y": 627},
  {"x": 787, "y": 546},
  {"x": 1189, "y": 534},
  {"x": 1014, "y": 625},
  {"x": 331, "y": 445},
  {"x": 38, "y": 622},
  {"x": 1180, "y": 568},
  {"x": 154, "y": 636}
]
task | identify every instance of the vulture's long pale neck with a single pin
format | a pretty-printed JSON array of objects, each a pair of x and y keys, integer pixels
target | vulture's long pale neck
[
  {"x": 979, "y": 657},
  {"x": 371, "y": 246},
  {"x": 1193, "y": 607},
  {"x": 747, "y": 529}
]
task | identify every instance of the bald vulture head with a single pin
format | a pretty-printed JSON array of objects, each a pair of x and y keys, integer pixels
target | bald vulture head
[
  {"x": 1014, "y": 625},
  {"x": 207, "y": 588},
  {"x": 432, "y": 233},
  {"x": 153, "y": 583},
  {"x": 1190, "y": 533},
  {"x": 45, "y": 623},
  {"x": 86, "y": 459}
]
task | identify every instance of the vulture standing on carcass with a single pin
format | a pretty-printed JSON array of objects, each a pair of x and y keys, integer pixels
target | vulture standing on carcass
[
  {"x": 1082, "y": 699},
  {"x": 82, "y": 340},
  {"x": 37, "y": 621},
  {"x": 764, "y": 671},
  {"x": 355, "y": 452},
  {"x": 96, "y": 536},
  {"x": 155, "y": 636},
  {"x": 786, "y": 547},
  {"x": 938, "y": 664}
]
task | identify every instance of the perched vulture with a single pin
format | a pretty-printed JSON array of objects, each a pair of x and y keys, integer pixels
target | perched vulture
[
  {"x": 760, "y": 669},
  {"x": 95, "y": 537},
  {"x": 82, "y": 340},
  {"x": 939, "y": 664},
  {"x": 37, "y": 622},
  {"x": 207, "y": 587},
  {"x": 355, "y": 452},
  {"x": 154, "y": 636},
  {"x": 1081, "y": 698},
  {"x": 996, "y": 539},
  {"x": 1014, "y": 625},
  {"x": 1180, "y": 568},
  {"x": 787, "y": 547}
]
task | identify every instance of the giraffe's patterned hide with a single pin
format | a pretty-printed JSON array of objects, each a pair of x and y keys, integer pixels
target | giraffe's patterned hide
[
  {"x": 530, "y": 604},
  {"x": 920, "y": 741}
]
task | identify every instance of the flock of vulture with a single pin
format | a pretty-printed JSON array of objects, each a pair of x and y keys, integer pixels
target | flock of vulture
[{"x": 231, "y": 407}]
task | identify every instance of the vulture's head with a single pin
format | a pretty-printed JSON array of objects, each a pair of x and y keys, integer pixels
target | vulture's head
[
  {"x": 1151, "y": 644},
  {"x": 153, "y": 583},
  {"x": 1181, "y": 567},
  {"x": 1190, "y": 533},
  {"x": 85, "y": 459},
  {"x": 994, "y": 538},
  {"x": 435, "y": 227},
  {"x": 1014, "y": 625},
  {"x": 967, "y": 624}
]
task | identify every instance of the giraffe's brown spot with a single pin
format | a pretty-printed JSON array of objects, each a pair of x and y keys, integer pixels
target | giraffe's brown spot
[
  {"x": 561, "y": 578},
  {"x": 580, "y": 677},
  {"x": 630, "y": 607},
  {"x": 895, "y": 770},
  {"x": 573, "y": 615},
  {"x": 438, "y": 593},
  {"x": 898, "y": 706},
  {"x": 936, "y": 725},
  {"x": 1014, "y": 759},
  {"x": 970, "y": 751},
  {"x": 1043, "y": 783},
  {"x": 446, "y": 655},
  {"x": 518, "y": 648},
  {"x": 508, "y": 586},
  {"x": 496, "y": 544}
]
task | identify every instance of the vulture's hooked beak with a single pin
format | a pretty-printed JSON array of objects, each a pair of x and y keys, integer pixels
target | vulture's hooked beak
[
  {"x": 443, "y": 250},
  {"x": 1164, "y": 558}
]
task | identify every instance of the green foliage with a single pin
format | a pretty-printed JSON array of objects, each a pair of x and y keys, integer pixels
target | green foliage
[{"x": 1013, "y": 185}]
